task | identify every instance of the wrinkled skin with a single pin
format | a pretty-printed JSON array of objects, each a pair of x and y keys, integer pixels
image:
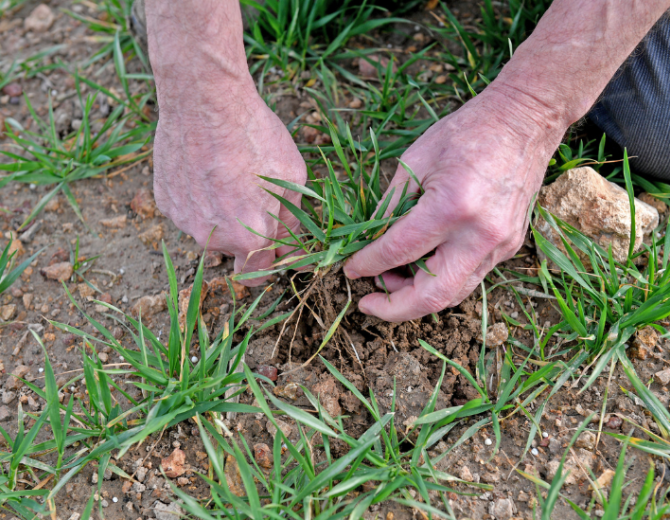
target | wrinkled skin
[
  {"x": 480, "y": 170},
  {"x": 206, "y": 177}
]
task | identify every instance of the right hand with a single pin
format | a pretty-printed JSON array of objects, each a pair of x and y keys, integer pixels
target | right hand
[{"x": 206, "y": 164}]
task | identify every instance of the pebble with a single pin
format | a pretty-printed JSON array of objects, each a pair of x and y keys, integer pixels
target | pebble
[{"x": 268, "y": 371}]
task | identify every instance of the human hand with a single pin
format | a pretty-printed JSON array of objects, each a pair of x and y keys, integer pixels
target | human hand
[
  {"x": 480, "y": 168},
  {"x": 206, "y": 165}
]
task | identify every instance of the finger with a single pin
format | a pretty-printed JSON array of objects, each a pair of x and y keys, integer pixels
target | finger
[
  {"x": 452, "y": 265},
  {"x": 393, "y": 281},
  {"x": 407, "y": 240},
  {"x": 258, "y": 261}
]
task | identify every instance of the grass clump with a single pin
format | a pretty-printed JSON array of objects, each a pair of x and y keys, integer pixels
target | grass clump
[
  {"x": 296, "y": 34},
  {"x": 302, "y": 479},
  {"x": 45, "y": 158},
  {"x": 8, "y": 272}
]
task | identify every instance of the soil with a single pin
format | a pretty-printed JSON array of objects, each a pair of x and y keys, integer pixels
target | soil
[{"x": 370, "y": 353}]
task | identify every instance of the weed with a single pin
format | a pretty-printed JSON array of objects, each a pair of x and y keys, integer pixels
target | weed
[
  {"x": 114, "y": 31},
  {"x": 309, "y": 482},
  {"x": 174, "y": 381},
  {"x": 648, "y": 503},
  {"x": 49, "y": 160},
  {"x": 8, "y": 273},
  {"x": 284, "y": 34}
]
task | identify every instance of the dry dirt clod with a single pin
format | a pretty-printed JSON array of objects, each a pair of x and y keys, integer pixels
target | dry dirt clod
[
  {"x": 660, "y": 206},
  {"x": 143, "y": 203},
  {"x": 7, "y": 312},
  {"x": 596, "y": 207},
  {"x": 184, "y": 299},
  {"x": 14, "y": 383},
  {"x": 240, "y": 290},
  {"x": 213, "y": 259},
  {"x": 586, "y": 440},
  {"x": 5, "y": 413},
  {"x": 40, "y": 19},
  {"x": 263, "y": 455},
  {"x": 663, "y": 377},
  {"x": 152, "y": 236},
  {"x": 233, "y": 477},
  {"x": 59, "y": 272},
  {"x": 174, "y": 464},
  {"x": 115, "y": 222},
  {"x": 644, "y": 343},
  {"x": 603, "y": 481},
  {"x": 150, "y": 305},
  {"x": 171, "y": 511},
  {"x": 496, "y": 335},
  {"x": 127, "y": 485},
  {"x": 466, "y": 474}
]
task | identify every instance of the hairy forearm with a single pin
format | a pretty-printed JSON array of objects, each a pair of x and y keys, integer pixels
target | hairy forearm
[
  {"x": 197, "y": 53},
  {"x": 561, "y": 69}
]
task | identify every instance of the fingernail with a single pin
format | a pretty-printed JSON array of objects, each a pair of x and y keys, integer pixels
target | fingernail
[{"x": 363, "y": 309}]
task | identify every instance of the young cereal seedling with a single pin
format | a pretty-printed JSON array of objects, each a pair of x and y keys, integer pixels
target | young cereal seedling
[
  {"x": 301, "y": 478},
  {"x": 46, "y": 159}
]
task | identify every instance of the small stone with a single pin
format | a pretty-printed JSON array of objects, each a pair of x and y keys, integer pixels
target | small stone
[
  {"x": 139, "y": 487},
  {"x": 127, "y": 485},
  {"x": 586, "y": 440},
  {"x": 115, "y": 222},
  {"x": 441, "y": 79},
  {"x": 40, "y": 20},
  {"x": 596, "y": 207},
  {"x": 150, "y": 305},
  {"x": 5, "y": 413},
  {"x": 7, "y": 312},
  {"x": 14, "y": 383},
  {"x": 491, "y": 478},
  {"x": 660, "y": 206},
  {"x": 107, "y": 475},
  {"x": 103, "y": 357},
  {"x": 263, "y": 455},
  {"x": 663, "y": 377},
  {"x": 104, "y": 503},
  {"x": 174, "y": 464},
  {"x": 183, "y": 481},
  {"x": 141, "y": 473},
  {"x": 355, "y": 103},
  {"x": 12, "y": 90},
  {"x": 27, "y": 300},
  {"x": 8, "y": 397},
  {"x": 522, "y": 496},
  {"x": 614, "y": 422},
  {"x": 213, "y": 259},
  {"x": 603, "y": 480},
  {"x": 61, "y": 271},
  {"x": 555, "y": 446},
  {"x": 168, "y": 512},
  {"x": 502, "y": 509},
  {"x": 267, "y": 371},
  {"x": 466, "y": 474},
  {"x": 94, "y": 477}
]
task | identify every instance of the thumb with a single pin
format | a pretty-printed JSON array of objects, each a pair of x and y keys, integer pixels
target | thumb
[{"x": 258, "y": 261}]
